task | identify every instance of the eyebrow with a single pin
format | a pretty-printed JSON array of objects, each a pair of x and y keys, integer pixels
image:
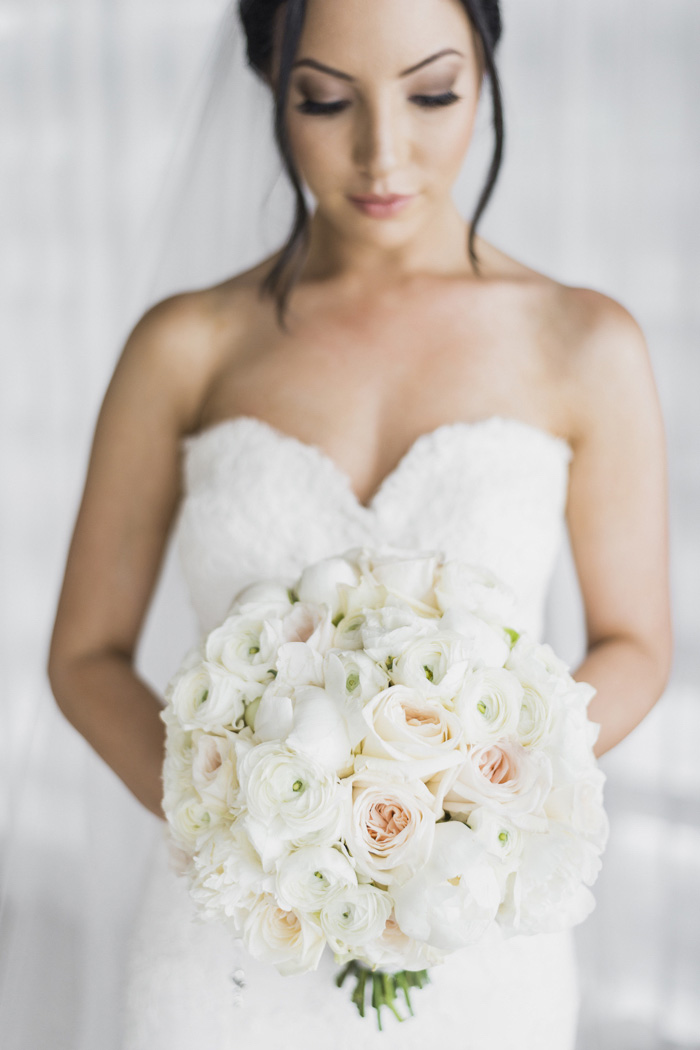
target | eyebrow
[{"x": 346, "y": 76}]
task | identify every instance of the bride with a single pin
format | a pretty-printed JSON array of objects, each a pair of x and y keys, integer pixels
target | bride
[{"x": 387, "y": 375}]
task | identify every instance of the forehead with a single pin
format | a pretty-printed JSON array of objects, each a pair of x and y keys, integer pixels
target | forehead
[{"x": 383, "y": 37}]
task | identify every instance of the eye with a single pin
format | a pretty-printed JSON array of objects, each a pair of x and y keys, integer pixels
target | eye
[
  {"x": 321, "y": 108},
  {"x": 444, "y": 99}
]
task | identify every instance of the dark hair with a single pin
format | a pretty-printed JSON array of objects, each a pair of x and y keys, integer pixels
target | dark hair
[{"x": 258, "y": 20}]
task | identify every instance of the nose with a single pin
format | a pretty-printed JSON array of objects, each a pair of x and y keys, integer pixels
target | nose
[{"x": 380, "y": 139}]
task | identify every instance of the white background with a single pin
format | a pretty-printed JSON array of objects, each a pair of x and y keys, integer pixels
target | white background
[{"x": 598, "y": 188}]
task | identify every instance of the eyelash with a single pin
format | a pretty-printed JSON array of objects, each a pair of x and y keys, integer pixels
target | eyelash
[{"x": 330, "y": 108}]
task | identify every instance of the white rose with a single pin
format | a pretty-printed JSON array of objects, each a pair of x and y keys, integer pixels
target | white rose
[
  {"x": 354, "y": 916},
  {"x": 548, "y": 891},
  {"x": 394, "y": 950},
  {"x": 489, "y": 704},
  {"x": 485, "y": 644},
  {"x": 320, "y": 730},
  {"x": 436, "y": 664},
  {"x": 402, "y": 725},
  {"x": 503, "y": 774},
  {"x": 311, "y": 875},
  {"x": 573, "y": 735},
  {"x": 407, "y": 574},
  {"x": 298, "y": 663},
  {"x": 311, "y": 624},
  {"x": 274, "y": 714},
  {"x": 214, "y": 770},
  {"x": 390, "y": 832},
  {"x": 284, "y": 938},
  {"x": 291, "y": 800},
  {"x": 206, "y": 697},
  {"x": 453, "y": 899},
  {"x": 311, "y": 721},
  {"x": 579, "y": 803},
  {"x": 477, "y": 589},
  {"x": 318, "y": 583}
]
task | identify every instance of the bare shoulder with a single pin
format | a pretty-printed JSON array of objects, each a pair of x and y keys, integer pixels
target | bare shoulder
[
  {"x": 609, "y": 372},
  {"x": 176, "y": 345}
]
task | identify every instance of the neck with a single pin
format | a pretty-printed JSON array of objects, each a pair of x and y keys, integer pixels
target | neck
[{"x": 438, "y": 246}]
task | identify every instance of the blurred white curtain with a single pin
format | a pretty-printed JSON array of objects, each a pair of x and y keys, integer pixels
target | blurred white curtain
[{"x": 598, "y": 188}]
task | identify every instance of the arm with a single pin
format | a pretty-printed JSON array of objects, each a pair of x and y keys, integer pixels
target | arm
[
  {"x": 618, "y": 521},
  {"x": 130, "y": 498}
]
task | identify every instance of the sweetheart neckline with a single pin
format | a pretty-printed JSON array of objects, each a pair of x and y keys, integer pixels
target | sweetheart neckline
[{"x": 188, "y": 441}]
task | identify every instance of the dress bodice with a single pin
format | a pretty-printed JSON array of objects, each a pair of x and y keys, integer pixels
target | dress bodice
[{"x": 258, "y": 502}]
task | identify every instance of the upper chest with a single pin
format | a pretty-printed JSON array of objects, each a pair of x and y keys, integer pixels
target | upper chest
[
  {"x": 427, "y": 351},
  {"x": 363, "y": 379}
]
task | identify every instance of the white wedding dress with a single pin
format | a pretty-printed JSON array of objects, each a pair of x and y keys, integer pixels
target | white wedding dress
[{"x": 257, "y": 503}]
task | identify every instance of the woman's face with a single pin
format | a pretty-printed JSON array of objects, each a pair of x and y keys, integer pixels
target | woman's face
[{"x": 365, "y": 125}]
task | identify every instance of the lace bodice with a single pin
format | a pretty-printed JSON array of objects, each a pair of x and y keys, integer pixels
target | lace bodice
[{"x": 259, "y": 502}]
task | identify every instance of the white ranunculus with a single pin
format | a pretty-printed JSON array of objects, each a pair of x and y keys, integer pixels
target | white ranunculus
[
  {"x": 207, "y": 697},
  {"x": 228, "y": 875},
  {"x": 452, "y": 900},
  {"x": 284, "y": 938},
  {"x": 503, "y": 774},
  {"x": 214, "y": 770},
  {"x": 311, "y": 875},
  {"x": 190, "y": 819},
  {"x": 527, "y": 654},
  {"x": 386, "y": 632},
  {"x": 435, "y": 664},
  {"x": 352, "y": 678},
  {"x": 245, "y": 646},
  {"x": 177, "y": 761},
  {"x": 498, "y": 835},
  {"x": 402, "y": 726},
  {"x": 391, "y": 826},
  {"x": 264, "y": 597},
  {"x": 354, "y": 916},
  {"x": 319, "y": 582},
  {"x": 485, "y": 644},
  {"x": 290, "y": 799},
  {"x": 477, "y": 589},
  {"x": 544, "y": 680},
  {"x": 489, "y": 704}
]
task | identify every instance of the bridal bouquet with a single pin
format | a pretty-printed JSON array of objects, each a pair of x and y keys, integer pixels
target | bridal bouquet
[{"x": 373, "y": 757}]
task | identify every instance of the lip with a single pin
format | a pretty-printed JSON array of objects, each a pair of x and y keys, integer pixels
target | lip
[
  {"x": 378, "y": 198},
  {"x": 378, "y": 206}
]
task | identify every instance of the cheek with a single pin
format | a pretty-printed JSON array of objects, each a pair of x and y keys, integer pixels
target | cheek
[
  {"x": 320, "y": 149},
  {"x": 443, "y": 146}
]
